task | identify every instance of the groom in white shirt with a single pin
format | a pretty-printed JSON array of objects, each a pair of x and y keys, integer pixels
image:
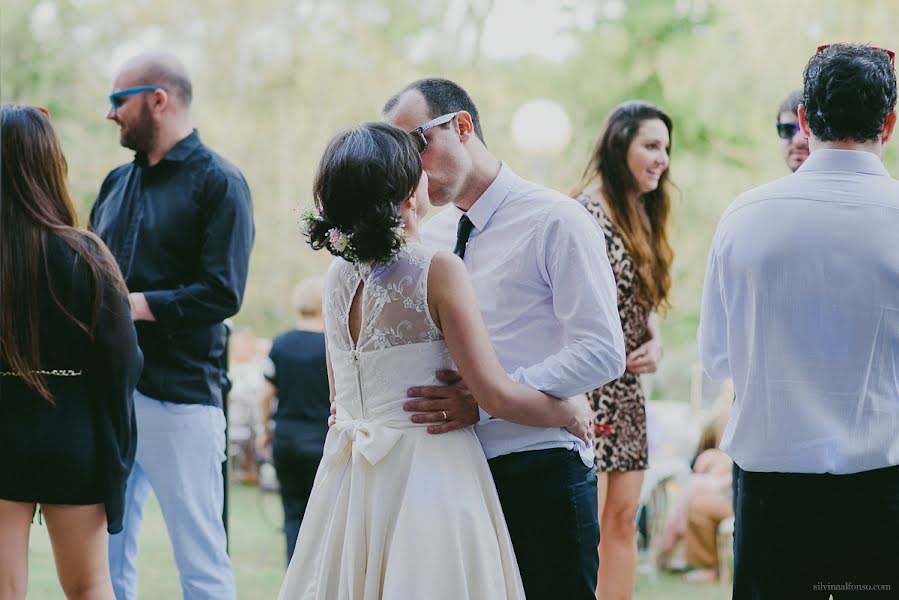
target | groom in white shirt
[
  {"x": 801, "y": 309},
  {"x": 548, "y": 296}
]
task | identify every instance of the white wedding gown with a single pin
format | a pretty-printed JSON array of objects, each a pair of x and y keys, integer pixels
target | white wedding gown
[{"x": 395, "y": 512}]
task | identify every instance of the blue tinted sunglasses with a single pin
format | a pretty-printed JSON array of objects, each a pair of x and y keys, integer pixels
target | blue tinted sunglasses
[
  {"x": 117, "y": 99},
  {"x": 786, "y": 131}
]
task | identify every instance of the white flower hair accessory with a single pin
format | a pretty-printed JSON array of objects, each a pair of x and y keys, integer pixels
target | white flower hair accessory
[
  {"x": 308, "y": 219},
  {"x": 400, "y": 230},
  {"x": 338, "y": 242}
]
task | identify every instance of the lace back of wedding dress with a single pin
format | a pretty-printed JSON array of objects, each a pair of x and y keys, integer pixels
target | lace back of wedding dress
[{"x": 394, "y": 302}]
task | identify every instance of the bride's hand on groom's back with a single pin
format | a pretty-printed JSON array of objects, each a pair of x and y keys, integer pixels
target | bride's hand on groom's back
[{"x": 448, "y": 407}]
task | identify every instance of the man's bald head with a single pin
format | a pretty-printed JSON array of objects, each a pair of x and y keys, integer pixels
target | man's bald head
[{"x": 162, "y": 69}]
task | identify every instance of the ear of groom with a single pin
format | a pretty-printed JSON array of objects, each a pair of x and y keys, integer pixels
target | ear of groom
[{"x": 463, "y": 125}]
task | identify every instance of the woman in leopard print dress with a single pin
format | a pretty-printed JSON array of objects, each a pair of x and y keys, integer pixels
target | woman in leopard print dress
[{"x": 625, "y": 188}]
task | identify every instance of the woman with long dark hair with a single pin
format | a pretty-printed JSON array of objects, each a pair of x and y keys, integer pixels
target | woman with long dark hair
[
  {"x": 69, "y": 362},
  {"x": 625, "y": 186}
]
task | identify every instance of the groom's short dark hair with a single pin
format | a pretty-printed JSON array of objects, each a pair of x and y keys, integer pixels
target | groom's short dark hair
[{"x": 442, "y": 97}]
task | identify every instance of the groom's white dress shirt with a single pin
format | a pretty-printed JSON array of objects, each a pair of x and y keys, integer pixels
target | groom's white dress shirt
[
  {"x": 801, "y": 308},
  {"x": 546, "y": 291}
]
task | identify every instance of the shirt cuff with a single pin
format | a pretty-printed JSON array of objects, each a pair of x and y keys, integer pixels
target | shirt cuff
[{"x": 163, "y": 305}]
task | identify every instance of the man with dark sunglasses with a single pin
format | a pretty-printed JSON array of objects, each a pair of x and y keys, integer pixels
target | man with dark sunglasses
[
  {"x": 793, "y": 142},
  {"x": 801, "y": 308},
  {"x": 179, "y": 221},
  {"x": 546, "y": 290}
]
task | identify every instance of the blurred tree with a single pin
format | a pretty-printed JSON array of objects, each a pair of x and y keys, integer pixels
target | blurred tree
[{"x": 275, "y": 79}]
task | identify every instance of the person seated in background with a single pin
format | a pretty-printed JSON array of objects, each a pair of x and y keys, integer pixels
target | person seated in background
[
  {"x": 246, "y": 372},
  {"x": 710, "y": 502},
  {"x": 705, "y": 502}
]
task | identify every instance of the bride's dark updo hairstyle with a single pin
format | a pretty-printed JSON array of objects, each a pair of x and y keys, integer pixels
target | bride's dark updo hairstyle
[{"x": 365, "y": 174}]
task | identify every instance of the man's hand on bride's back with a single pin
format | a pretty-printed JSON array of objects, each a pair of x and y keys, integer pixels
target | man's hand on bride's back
[{"x": 447, "y": 407}]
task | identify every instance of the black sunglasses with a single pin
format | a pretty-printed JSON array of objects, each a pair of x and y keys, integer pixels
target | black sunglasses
[
  {"x": 418, "y": 134},
  {"x": 786, "y": 131}
]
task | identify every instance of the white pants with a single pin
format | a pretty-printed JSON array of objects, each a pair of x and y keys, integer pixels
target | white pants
[{"x": 180, "y": 450}]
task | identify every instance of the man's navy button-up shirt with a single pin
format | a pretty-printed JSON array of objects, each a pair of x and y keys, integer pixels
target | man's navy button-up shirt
[{"x": 181, "y": 231}]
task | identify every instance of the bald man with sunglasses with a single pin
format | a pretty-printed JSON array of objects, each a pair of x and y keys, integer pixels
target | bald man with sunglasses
[{"x": 179, "y": 221}]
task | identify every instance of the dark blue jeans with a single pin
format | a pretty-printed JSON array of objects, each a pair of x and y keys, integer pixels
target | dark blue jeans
[
  {"x": 805, "y": 536},
  {"x": 549, "y": 501}
]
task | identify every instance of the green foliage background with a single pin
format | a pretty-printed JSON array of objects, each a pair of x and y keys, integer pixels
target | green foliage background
[{"x": 275, "y": 78}]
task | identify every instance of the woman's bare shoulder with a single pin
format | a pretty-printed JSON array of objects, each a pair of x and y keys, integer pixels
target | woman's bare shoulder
[{"x": 446, "y": 273}]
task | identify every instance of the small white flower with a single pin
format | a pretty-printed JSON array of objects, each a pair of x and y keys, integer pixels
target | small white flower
[
  {"x": 339, "y": 240},
  {"x": 400, "y": 231},
  {"x": 307, "y": 219}
]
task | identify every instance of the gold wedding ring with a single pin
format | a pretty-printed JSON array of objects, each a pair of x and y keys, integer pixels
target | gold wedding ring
[{"x": 445, "y": 416}]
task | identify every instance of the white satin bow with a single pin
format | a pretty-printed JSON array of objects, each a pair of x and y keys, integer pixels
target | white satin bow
[{"x": 370, "y": 439}]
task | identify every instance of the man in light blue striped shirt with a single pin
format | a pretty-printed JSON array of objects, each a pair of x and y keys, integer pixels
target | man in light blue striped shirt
[{"x": 801, "y": 309}]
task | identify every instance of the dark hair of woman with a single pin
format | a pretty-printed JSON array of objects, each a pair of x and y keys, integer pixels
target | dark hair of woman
[
  {"x": 365, "y": 174},
  {"x": 36, "y": 204},
  {"x": 647, "y": 243}
]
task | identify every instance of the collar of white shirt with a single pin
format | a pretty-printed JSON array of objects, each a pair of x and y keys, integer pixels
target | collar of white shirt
[
  {"x": 492, "y": 198},
  {"x": 855, "y": 161}
]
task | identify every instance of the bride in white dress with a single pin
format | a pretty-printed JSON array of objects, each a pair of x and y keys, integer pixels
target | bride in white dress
[{"x": 395, "y": 512}]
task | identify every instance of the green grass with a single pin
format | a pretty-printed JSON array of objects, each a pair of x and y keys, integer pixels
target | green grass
[
  {"x": 671, "y": 587},
  {"x": 257, "y": 550},
  {"x": 256, "y": 545}
]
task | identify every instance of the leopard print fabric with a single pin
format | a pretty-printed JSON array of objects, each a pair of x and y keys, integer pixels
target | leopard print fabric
[{"x": 621, "y": 403}]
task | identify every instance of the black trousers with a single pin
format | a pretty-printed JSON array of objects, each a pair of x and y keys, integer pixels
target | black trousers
[
  {"x": 549, "y": 501},
  {"x": 804, "y": 536},
  {"x": 296, "y": 462}
]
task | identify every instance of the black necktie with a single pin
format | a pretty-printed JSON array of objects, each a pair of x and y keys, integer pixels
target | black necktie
[{"x": 462, "y": 233}]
